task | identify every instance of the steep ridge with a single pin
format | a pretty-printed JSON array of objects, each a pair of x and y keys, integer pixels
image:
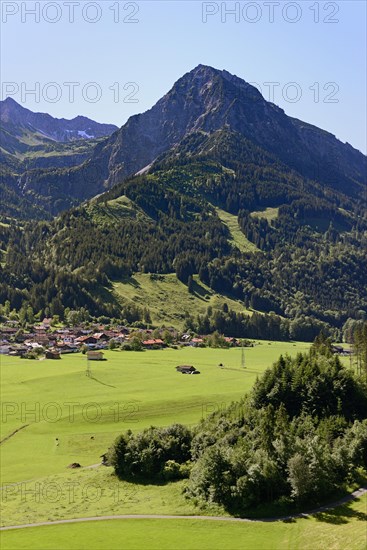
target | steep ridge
[{"x": 16, "y": 119}]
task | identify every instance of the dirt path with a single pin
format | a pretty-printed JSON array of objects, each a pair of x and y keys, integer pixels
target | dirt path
[
  {"x": 91, "y": 466},
  {"x": 13, "y": 433},
  {"x": 356, "y": 494}
]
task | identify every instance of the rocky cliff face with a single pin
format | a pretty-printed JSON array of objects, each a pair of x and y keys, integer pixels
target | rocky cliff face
[{"x": 206, "y": 100}]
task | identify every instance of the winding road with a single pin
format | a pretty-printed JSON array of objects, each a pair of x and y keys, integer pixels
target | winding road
[{"x": 356, "y": 494}]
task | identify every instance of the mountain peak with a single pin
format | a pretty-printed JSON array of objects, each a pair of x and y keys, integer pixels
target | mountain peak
[
  {"x": 10, "y": 101},
  {"x": 11, "y": 111},
  {"x": 209, "y": 72},
  {"x": 207, "y": 100},
  {"x": 218, "y": 84},
  {"x": 204, "y": 69},
  {"x": 15, "y": 116}
]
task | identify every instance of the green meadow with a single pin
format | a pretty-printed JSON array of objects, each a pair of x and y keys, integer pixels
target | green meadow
[
  {"x": 338, "y": 529},
  {"x": 237, "y": 237},
  {"x": 267, "y": 214},
  {"x": 51, "y": 399},
  {"x": 166, "y": 291},
  {"x": 53, "y": 414}
]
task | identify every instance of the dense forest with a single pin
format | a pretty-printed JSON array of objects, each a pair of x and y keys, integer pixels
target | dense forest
[
  {"x": 306, "y": 270},
  {"x": 297, "y": 439}
]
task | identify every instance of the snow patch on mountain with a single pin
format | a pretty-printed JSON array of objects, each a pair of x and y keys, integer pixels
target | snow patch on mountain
[{"x": 84, "y": 134}]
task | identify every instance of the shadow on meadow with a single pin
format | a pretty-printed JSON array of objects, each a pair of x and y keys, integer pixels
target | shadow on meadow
[
  {"x": 199, "y": 291},
  {"x": 342, "y": 514},
  {"x": 131, "y": 281}
]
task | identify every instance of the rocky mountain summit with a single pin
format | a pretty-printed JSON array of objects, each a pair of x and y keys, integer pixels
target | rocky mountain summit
[
  {"x": 204, "y": 102},
  {"x": 207, "y": 100}
]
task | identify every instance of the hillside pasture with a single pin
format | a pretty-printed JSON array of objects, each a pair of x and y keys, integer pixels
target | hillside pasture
[
  {"x": 50, "y": 399},
  {"x": 169, "y": 299}
]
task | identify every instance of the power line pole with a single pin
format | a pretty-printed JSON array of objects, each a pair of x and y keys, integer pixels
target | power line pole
[
  {"x": 88, "y": 372},
  {"x": 243, "y": 365}
]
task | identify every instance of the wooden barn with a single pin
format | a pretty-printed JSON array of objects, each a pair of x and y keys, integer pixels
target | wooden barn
[
  {"x": 95, "y": 356},
  {"x": 53, "y": 354},
  {"x": 187, "y": 369}
]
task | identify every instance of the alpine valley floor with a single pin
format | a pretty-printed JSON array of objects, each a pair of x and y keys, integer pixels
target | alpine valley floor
[{"x": 54, "y": 415}]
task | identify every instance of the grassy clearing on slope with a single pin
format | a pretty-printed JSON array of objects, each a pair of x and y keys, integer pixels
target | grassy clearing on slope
[
  {"x": 168, "y": 299},
  {"x": 238, "y": 238},
  {"x": 338, "y": 529},
  {"x": 268, "y": 214},
  {"x": 112, "y": 211}
]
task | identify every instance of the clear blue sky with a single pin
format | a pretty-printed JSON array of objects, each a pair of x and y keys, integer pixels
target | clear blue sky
[{"x": 170, "y": 38}]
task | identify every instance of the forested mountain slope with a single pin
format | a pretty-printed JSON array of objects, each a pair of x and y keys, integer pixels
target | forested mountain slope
[
  {"x": 220, "y": 165},
  {"x": 203, "y": 101},
  {"x": 308, "y": 257}
]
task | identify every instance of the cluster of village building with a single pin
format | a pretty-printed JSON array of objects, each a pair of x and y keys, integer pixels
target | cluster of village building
[{"x": 57, "y": 341}]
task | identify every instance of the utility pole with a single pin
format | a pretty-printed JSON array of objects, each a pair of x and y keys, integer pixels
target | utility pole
[
  {"x": 243, "y": 365},
  {"x": 88, "y": 372}
]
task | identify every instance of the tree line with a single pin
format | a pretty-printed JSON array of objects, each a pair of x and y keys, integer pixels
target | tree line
[
  {"x": 309, "y": 268},
  {"x": 297, "y": 438}
]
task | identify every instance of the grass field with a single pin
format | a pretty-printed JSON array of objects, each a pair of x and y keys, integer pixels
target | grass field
[
  {"x": 113, "y": 210},
  {"x": 238, "y": 238},
  {"x": 339, "y": 529},
  {"x": 55, "y": 399},
  {"x": 164, "y": 293},
  {"x": 48, "y": 399},
  {"x": 268, "y": 214}
]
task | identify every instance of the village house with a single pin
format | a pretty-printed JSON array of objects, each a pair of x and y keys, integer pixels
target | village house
[
  {"x": 79, "y": 331},
  {"x": 119, "y": 338},
  {"x": 66, "y": 336},
  {"x": 7, "y": 332},
  {"x": 196, "y": 342},
  {"x": 18, "y": 351},
  {"x": 154, "y": 343},
  {"x": 341, "y": 351},
  {"x": 66, "y": 347},
  {"x": 52, "y": 354},
  {"x": 111, "y": 333},
  {"x": 233, "y": 342},
  {"x": 20, "y": 338},
  {"x": 5, "y": 348},
  {"x": 101, "y": 336},
  {"x": 40, "y": 335},
  {"x": 86, "y": 340},
  {"x": 102, "y": 339},
  {"x": 123, "y": 330}
]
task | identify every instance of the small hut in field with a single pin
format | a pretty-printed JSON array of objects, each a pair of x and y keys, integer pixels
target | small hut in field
[
  {"x": 53, "y": 354},
  {"x": 187, "y": 369},
  {"x": 95, "y": 356}
]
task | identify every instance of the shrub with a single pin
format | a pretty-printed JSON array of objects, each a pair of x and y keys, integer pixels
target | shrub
[{"x": 151, "y": 454}]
